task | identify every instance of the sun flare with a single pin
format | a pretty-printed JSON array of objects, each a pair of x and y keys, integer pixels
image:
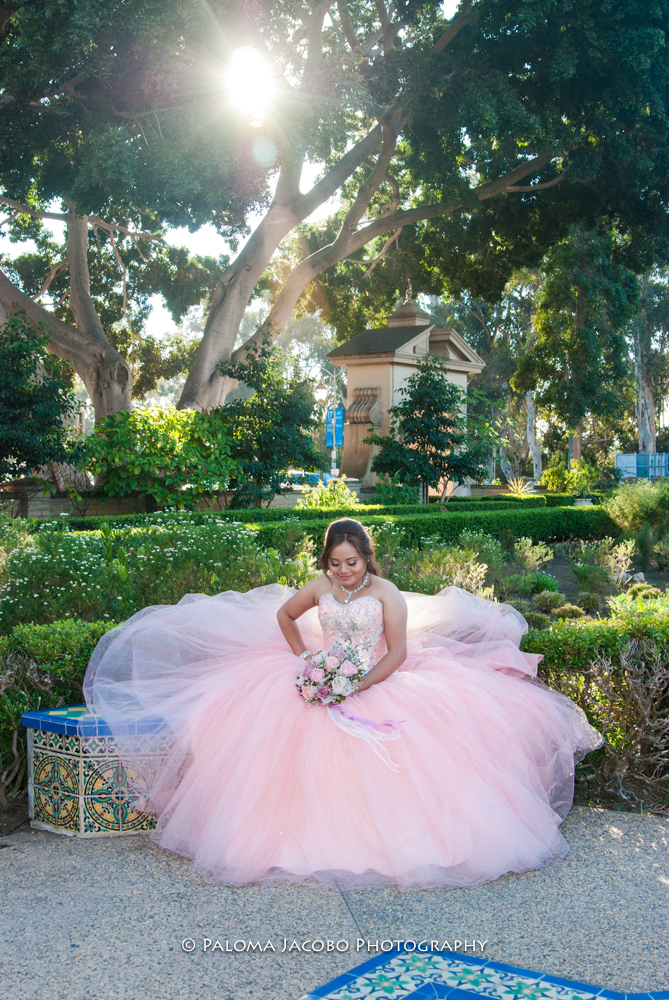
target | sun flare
[{"x": 249, "y": 82}]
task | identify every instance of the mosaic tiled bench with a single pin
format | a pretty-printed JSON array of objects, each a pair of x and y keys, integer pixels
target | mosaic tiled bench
[
  {"x": 402, "y": 975},
  {"x": 77, "y": 784}
]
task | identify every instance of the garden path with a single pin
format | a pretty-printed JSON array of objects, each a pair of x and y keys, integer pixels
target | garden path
[{"x": 105, "y": 919}]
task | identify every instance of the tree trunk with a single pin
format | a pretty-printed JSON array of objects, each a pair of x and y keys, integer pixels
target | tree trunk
[
  {"x": 533, "y": 445},
  {"x": 104, "y": 372},
  {"x": 205, "y": 387},
  {"x": 645, "y": 398},
  {"x": 577, "y": 452}
]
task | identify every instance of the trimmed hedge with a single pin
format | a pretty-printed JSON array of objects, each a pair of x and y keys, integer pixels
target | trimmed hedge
[
  {"x": 541, "y": 525},
  {"x": 572, "y": 645},
  {"x": 258, "y": 515}
]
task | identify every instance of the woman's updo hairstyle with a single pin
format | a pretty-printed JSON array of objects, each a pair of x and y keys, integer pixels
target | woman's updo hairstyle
[{"x": 348, "y": 530}]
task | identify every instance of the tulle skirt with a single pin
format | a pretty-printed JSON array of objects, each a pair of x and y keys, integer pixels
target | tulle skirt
[{"x": 255, "y": 786}]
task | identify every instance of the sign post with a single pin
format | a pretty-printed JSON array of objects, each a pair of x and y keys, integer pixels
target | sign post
[{"x": 334, "y": 435}]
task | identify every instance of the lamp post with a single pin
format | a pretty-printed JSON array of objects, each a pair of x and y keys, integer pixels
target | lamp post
[{"x": 321, "y": 393}]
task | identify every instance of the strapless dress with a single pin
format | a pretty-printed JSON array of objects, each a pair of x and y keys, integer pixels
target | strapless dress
[{"x": 256, "y": 786}]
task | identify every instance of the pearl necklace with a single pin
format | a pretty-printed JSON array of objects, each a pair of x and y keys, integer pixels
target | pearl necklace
[{"x": 352, "y": 592}]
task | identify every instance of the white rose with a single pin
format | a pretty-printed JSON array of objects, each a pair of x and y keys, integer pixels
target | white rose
[{"x": 342, "y": 685}]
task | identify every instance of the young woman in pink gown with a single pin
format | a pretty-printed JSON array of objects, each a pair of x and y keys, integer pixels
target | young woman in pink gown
[{"x": 449, "y": 766}]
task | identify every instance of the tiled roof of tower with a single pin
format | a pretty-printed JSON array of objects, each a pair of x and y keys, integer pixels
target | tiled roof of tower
[{"x": 382, "y": 341}]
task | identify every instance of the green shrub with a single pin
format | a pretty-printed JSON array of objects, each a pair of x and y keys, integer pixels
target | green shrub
[
  {"x": 592, "y": 578},
  {"x": 41, "y": 666},
  {"x": 547, "y": 601},
  {"x": 262, "y": 515},
  {"x": 528, "y": 584},
  {"x": 334, "y": 495},
  {"x": 112, "y": 574},
  {"x": 590, "y": 602},
  {"x": 572, "y": 645},
  {"x": 531, "y": 555},
  {"x": 537, "y": 620},
  {"x": 617, "y": 671},
  {"x": 569, "y": 611},
  {"x": 540, "y": 525},
  {"x": 554, "y": 477},
  {"x": 489, "y": 549},
  {"x": 176, "y": 457},
  {"x": 632, "y": 504},
  {"x": 391, "y": 493},
  {"x": 661, "y": 554},
  {"x": 438, "y": 566},
  {"x": 601, "y": 565}
]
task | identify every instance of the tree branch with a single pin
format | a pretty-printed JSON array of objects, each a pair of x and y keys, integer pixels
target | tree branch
[
  {"x": 34, "y": 213},
  {"x": 55, "y": 268},
  {"x": 384, "y": 250},
  {"x": 328, "y": 185},
  {"x": 109, "y": 227},
  {"x": 506, "y": 181},
  {"x": 537, "y": 187},
  {"x": 347, "y": 26},
  {"x": 465, "y": 17}
]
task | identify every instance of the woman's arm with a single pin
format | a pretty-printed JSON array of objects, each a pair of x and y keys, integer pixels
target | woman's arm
[
  {"x": 294, "y": 607},
  {"x": 395, "y": 619}
]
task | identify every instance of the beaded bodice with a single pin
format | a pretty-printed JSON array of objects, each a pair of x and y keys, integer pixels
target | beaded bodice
[{"x": 358, "y": 624}]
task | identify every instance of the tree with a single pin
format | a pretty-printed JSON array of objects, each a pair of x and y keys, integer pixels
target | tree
[
  {"x": 428, "y": 433},
  {"x": 36, "y": 400},
  {"x": 578, "y": 360},
  {"x": 80, "y": 84},
  {"x": 272, "y": 431},
  {"x": 501, "y": 126},
  {"x": 508, "y": 92},
  {"x": 649, "y": 335}
]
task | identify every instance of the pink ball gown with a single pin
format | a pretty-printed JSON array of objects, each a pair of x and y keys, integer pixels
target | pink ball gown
[{"x": 257, "y": 786}]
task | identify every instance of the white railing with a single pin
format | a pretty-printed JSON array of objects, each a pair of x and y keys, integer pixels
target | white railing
[{"x": 642, "y": 465}]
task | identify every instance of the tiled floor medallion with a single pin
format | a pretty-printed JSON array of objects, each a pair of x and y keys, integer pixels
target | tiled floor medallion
[
  {"x": 77, "y": 782},
  {"x": 400, "y": 975}
]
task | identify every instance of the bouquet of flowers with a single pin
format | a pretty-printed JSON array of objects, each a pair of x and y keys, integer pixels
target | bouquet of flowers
[{"x": 329, "y": 676}]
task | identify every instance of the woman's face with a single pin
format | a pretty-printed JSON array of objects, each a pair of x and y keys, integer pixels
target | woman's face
[{"x": 347, "y": 565}]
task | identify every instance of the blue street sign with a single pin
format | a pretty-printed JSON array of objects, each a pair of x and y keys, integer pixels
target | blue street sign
[
  {"x": 339, "y": 427},
  {"x": 329, "y": 418}
]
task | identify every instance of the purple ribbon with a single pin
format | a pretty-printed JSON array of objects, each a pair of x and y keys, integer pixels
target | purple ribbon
[{"x": 380, "y": 727}]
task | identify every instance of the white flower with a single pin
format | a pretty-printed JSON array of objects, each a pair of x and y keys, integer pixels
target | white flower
[{"x": 341, "y": 685}]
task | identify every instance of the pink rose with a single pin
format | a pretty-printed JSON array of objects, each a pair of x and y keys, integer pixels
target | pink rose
[
  {"x": 338, "y": 652},
  {"x": 324, "y": 691},
  {"x": 348, "y": 668},
  {"x": 308, "y": 670},
  {"x": 331, "y": 662},
  {"x": 308, "y": 692},
  {"x": 318, "y": 675}
]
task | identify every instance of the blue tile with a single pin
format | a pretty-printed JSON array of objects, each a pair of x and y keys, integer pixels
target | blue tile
[
  {"x": 460, "y": 994},
  {"x": 373, "y": 963},
  {"x": 664, "y": 995},
  {"x": 77, "y": 721},
  {"x": 433, "y": 991},
  {"x": 611, "y": 995},
  {"x": 335, "y": 984},
  {"x": 462, "y": 957}
]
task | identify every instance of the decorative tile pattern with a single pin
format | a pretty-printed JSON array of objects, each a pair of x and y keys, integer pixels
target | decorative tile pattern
[
  {"x": 407, "y": 975},
  {"x": 77, "y": 781}
]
